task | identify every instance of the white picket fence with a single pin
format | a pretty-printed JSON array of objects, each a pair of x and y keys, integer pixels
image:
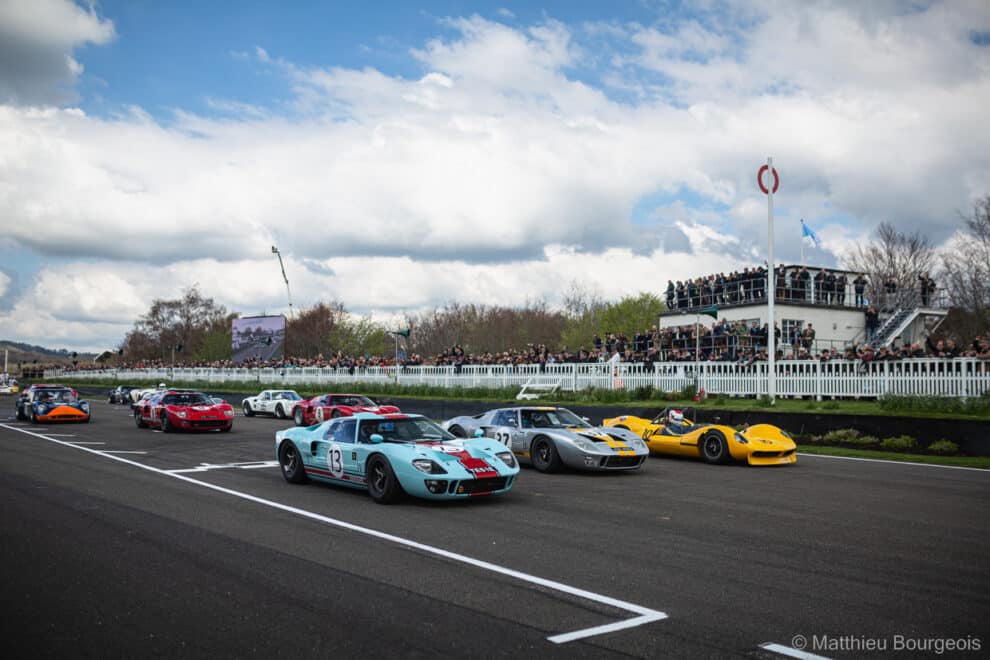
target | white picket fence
[{"x": 960, "y": 377}]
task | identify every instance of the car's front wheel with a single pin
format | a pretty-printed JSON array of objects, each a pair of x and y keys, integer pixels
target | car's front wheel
[
  {"x": 166, "y": 424},
  {"x": 383, "y": 487},
  {"x": 714, "y": 448},
  {"x": 297, "y": 416},
  {"x": 247, "y": 409},
  {"x": 290, "y": 462},
  {"x": 544, "y": 455},
  {"x": 280, "y": 411},
  {"x": 138, "y": 422}
]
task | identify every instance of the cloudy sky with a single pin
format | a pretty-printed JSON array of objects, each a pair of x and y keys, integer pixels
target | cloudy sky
[{"x": 406, "y": 154}]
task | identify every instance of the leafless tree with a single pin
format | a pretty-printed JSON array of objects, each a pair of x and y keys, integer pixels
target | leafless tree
[
  {"x": 966, "y": 273},
  {"x": 893, "y": 257}
]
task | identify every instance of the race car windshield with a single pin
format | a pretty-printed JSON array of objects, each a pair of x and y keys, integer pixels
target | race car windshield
[
  {"x": 187, "y": 399},
  {"x": 354, "y": 401},
  {"x": 286, "y": 396},
  {"x": 56, "y": 396},
  {"x": 550, "y": 419},
  {"x": 402, "y": 430}
]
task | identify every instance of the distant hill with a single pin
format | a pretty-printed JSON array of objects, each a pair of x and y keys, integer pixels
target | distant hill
[{"x": 26, "y": 354}]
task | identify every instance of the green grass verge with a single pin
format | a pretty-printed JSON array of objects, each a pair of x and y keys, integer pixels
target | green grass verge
[
  {"x": 982, "y": 462},
  {"x": 643, "y": 401}
]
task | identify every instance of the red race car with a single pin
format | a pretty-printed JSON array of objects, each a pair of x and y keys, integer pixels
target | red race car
[
  {"x": 183, "y": 410},
  {"x": 325, "y": 406}
]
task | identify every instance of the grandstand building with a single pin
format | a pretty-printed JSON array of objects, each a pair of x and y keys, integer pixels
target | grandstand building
[{"x": 839, "y": 319}]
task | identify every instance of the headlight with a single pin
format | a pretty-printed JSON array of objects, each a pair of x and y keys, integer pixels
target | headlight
[
  {"x": 84, "y": 406},
  {"x": 585, "y": 444},
  {"x": 181, "y": 414},
  {"x": 740, "y": 439},
  {"x": 428, "y": 466},
  {"x": 228, "y": 413},
  {"x": 507, "y": 458},
  {"x": 42, "y": 408}
]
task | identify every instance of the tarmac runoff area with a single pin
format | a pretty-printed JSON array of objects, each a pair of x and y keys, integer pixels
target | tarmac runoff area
[{"x": 125, "y": 541}]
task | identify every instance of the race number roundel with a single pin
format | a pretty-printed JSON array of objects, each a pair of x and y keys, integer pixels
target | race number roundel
[
  {"x": 759, "y": 180},
  {"x": 319, "y": 414},
  {"x": 335, "y": 461}
]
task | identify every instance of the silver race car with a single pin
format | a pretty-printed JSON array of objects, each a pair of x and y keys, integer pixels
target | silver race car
[{"x": 551, "y": 438}]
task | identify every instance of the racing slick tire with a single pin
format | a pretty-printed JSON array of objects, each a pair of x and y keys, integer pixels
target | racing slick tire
[
  {"x": 290, "y": 462},
  {"x": 457, "y": 431},
  {"x": 335, "y": 414},
  {"x": 247, "y": 409},
  {"x": 383, "y": 486},
  {"x": 166, "y": 425},
  {"x": 714, "y": 448},
  {"x": 297, "y": 416},
  {"x": 279, "y": 411},
  {"x": 138, "y": 421},
  {"x": 543, "y": 455}
]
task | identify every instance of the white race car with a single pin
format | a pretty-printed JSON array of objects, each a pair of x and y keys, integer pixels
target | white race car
[{"x": 271, "y": 402}]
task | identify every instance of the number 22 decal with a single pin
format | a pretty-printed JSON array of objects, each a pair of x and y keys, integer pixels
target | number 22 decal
[
  {"x": 335, "y": 461},
  {"x": 504, "y": 438}
]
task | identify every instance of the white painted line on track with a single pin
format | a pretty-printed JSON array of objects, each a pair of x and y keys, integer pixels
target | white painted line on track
[
  {"x": 882, "y": 460},
  {"x": 62, "y": 435},
  {"x": 791, "y": 652},
  {"x": 645, "y": 614},
  {"x": 79, "y": 442},
  {"x": 108, "y": 451},
  {"x": 205, "y": 467}
]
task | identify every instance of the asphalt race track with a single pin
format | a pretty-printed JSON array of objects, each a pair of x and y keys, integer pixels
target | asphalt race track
[{"x": 126, "y": 542}]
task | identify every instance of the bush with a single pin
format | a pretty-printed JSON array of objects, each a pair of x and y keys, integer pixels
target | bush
[
  {"x": 944, "y": 448},
  {"x": 864, "y": 441},
  {"x": 830, "y": 405},
  {"x": 898, "y": 443},
  {"x": 839, "y": 436},
  {"x": 932, "y": 404}
]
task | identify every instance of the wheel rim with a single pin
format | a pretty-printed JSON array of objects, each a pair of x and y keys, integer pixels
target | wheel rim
[
  {"x": 279, "y": 412},
  {"x": 377, "y": 480},
  {"x": 712, "y": 446},
  {"x": 246, "y": 408},
  {"x": 289, "y": 459},
  {"x": 543, "y": 452}
]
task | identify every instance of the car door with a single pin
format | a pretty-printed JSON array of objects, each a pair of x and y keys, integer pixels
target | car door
[
  {"x": 265, "y": 402},
  {"x": 335, "y": 452},
  {"x": 505, "y": 429}
]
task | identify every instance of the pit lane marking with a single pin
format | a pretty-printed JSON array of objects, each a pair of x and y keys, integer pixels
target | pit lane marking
[
  {"x": 791, "y": 652},
  {"x": 643, "y": 616},
  {"x": 881, "y": 460},
  {"x": 205, "y": 467}
]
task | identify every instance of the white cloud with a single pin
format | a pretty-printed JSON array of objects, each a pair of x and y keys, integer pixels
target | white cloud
[
  {"x": 36, "y": 43},
  {"x": 497, "y": 176}
]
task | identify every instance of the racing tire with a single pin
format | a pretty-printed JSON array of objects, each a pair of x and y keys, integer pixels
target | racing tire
[
  {"x": 543, "y": 455},
  {"x": 247, "y": 409},
  {"x": 297, "y": 416},
  {"x": 714, "y": 448},
  {"x": 335, "y": 414},
  {"x": 166, "y": 425},
  {"x": 20, "y": 414},
  {"x": 457, "y": 431},
  {"x": 138, "y": 421},
  {"x": 279, "y": 412},
  {"x": 33, "y": 416},
  {"x": 290, "y": 462},
  {"x": 383, "y": 486}
]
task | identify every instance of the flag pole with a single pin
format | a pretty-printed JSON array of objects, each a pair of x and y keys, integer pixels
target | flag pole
[
  {"x": 772, "y": 326},
  {"x": 802, "y": 242}
]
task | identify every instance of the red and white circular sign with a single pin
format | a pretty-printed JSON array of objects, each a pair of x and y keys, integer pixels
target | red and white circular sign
[{"x": 759, "y": 180}]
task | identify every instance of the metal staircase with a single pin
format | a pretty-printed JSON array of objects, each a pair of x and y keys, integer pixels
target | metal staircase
[{"x": 897, "y": 323}]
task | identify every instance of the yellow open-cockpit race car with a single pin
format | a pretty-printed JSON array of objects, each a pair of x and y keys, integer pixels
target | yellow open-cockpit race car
[{"x": 673, "y": 433}]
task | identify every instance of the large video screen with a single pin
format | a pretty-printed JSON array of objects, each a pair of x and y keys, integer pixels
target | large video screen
[{"x": 257, "y": 339}]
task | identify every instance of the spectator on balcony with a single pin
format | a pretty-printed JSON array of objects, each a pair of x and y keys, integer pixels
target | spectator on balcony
[
  {"x": 840, "y": 289},
  {"x": 805, "y": 278},
  {"x": 671, "y": 293},
  {"x": 890, "y": 292},
  {"x": 819, "y": 292},
  {"x": 859, "y": 285},
  {"x": 926, "y": 285}
]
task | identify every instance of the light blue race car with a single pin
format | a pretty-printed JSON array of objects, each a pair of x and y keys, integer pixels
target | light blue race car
[{"x": 394, "y": 454}]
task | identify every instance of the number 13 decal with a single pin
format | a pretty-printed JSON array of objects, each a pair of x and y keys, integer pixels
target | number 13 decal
[{"x": 335, "y": 461}]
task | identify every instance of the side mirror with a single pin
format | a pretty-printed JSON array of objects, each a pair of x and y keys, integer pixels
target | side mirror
[
  {"x": 376, "y": 438},
  {"x": 478, "y": 433}
]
